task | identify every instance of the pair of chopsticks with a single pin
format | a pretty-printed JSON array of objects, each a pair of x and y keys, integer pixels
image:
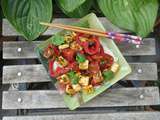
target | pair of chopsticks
[{"x": 112, "y": 35}]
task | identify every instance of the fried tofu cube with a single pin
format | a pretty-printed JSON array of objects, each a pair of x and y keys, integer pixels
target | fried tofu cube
[
  {"x": 62, "y": 61},
  {"x": 76, "y": 87},
  {"x": 88, "y": 89},
  {"x": 64, "y": 79},
  {"x": 83, "y": 39},
  {"x": 84, "y": 80},
  {"x": 115, "y": 67},
  {"x": 68, "y": 38},
  {"x": 84, "y": 65},
  {"x": 75, "y": 46},
  {"x": 63, "y": 46},
  {"x": 73, "y": 34},
  {"x": 69, "y": 90}
]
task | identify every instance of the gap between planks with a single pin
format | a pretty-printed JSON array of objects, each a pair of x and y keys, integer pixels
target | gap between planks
[
  {"x": 97, "y": 116},
  {"x": 41, "y": 99}
]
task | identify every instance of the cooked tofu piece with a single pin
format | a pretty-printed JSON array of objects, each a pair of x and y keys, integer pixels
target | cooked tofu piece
[
  {"x": 75, "y": 46},
  {"x": 63, "y": 46},
  {"x": 98, "y": 78},
  {"x": 84, "y": 65},
  {"x": 115, "y": 67},
  {"x": 70, "y": 90},
  {"x": 73, "y": 34},
  {"x": 84, "y": 80},
  {"x": 62, "y": 61},
  {"x": 83, "y": 39},
  {"x": 68, "y": 38},
  {"x": 63, "y": 79},
  {"x": 88, "y": 89},
  {"x": 76, "y": 87}
]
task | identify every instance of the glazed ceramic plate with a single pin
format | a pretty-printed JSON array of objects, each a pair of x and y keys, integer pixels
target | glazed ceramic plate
[{"x": 90, "y": 21}]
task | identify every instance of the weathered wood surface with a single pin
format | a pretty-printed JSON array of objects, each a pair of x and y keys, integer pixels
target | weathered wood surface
[
  {"x": 52, "y": 99},
  {"x": 97, "y": 116},
  {"x": 7, "y": 29},
  {"x": 37, "y": 73},
  {"x": 10, "y": 49}
]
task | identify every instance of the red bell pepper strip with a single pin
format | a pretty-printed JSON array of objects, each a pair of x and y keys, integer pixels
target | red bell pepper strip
[
  {"x": 92, "y": 46},
  {"x": 69, "y": 54}
]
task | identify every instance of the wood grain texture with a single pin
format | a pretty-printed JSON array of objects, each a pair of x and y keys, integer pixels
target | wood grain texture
[
  {"x": 8, "y": 30},
  {"x": 97, "y": 116},
  {"x": 37, "y": 73},
  {"x": 52, "y": 99},
  {"x": 10, "y": 49}
]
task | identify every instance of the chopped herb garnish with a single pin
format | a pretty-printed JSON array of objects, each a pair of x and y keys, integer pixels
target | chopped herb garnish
[
  {"x": 57, "y": 40},
  {"x": 108, "y": 75},
  {"x": 73, "y": 77},
  {"x": 80, "y": 58}
]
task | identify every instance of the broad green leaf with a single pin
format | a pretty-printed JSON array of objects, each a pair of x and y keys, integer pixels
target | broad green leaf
[
  {"x": 70, "y": 5},
  {"x": 134, "y": 15},
  {"x": 75, "y": 8},
  {"x": 25, "y": 15}
]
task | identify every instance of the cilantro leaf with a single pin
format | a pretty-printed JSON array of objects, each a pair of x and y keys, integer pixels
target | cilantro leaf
[
  {"x": 108, "y": 75},
  {"x": 80, "y": 58},
  {"x": 73, "y": 77},
  {"x": 57, "y": 40}
]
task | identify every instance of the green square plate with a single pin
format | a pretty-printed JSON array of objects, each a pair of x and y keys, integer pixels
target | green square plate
[{"x": 91, "y": 21}]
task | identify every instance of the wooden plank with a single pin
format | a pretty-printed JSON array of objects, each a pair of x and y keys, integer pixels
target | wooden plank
[
  {"x": 52, "y": 99},
  {"x": 19, "y": 50},
  {"x": 10, "y": 49},
  {"x": 9, "y": 31},
  {"x": 97, "y": 116},
  {"x": 37, "y": 73}
]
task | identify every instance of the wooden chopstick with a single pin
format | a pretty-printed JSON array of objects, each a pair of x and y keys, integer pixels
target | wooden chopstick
[
  {"x": 111, "y": 35},
  {"x": 81, "y": 28},
  {"x": 77, "y": 29}
]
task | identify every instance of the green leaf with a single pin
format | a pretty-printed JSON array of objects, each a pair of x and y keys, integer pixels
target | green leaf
[
  {"x": 70, "y": 5},
  {"x": 134, "y": 15},
  {"x": 75, "y": 8},
  {"x": 108, "y": 75},
  {"x": 57, "y": 40},
  {"x": 25, "y": 15},
  {"x": 73, "y": 77},
  {"x": 80, "y": 58}
]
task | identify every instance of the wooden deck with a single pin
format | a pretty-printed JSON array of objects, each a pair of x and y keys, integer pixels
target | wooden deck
[{"x": 50, "y": 102}]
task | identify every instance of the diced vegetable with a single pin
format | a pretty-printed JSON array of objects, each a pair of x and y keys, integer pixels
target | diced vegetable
[{"x": 108, "y": 74}]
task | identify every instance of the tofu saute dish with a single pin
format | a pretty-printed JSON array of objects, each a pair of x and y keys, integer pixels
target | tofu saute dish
[{"x": 79, "y": 63}]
